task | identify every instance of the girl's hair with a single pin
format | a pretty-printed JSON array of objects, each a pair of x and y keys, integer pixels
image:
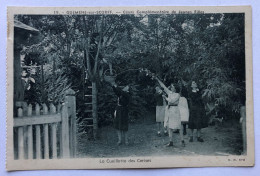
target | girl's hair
[
  {"x": 194, "y": 81},
  {"x": 177, "y": 89}
]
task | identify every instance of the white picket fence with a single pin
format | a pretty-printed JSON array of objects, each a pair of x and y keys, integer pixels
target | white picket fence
[{"x": 57, "y": 123}]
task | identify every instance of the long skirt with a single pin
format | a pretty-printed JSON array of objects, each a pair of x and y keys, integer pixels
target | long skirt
[
  {"x": 121, "y": 118},
  {"x": 160, "y": 112},
  {"x": 172, "y": 117},
  {"x": 198, "y": 118}
]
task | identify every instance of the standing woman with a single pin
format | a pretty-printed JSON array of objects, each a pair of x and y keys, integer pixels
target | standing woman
[
  {"x": 172, "y": 114},
  {"x": 121, "y": 112},
  {"x": 197, "y": 119}
]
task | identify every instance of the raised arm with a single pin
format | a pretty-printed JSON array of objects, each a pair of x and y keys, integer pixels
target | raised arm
[{"x": 166, "y": 90}]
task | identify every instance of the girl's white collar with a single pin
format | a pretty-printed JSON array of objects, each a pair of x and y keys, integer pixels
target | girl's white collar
[{"x": 196, "y": 90}]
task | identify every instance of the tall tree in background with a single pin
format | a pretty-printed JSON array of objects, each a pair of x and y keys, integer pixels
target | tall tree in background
[
  {"x": 99, "y": 33},
  {"x": 78, "y": 44},
  {"x": 204, "y": 47}
]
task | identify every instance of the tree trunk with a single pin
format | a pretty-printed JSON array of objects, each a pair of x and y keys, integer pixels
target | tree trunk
[
  {"x": 18, "y": 82},
  {"x": 94, "y": 109}
]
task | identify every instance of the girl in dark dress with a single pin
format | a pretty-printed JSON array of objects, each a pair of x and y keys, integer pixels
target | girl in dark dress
[
  {"x": 121, "y": 113},
  {"x": 197, "y": 118}
]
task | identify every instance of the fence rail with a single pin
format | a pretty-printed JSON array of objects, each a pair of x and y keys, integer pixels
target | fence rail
[
  {"x": 37, "y": 120},
  {"x": 45, "y": 133}
]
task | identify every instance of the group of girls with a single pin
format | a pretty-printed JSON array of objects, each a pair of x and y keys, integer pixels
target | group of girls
[
  {"x": 175, "y": 115},
  {"x": 176, "y": 110}
]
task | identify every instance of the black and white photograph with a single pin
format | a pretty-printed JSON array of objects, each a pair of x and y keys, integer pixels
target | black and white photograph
[{"x": 129, "y": 87}]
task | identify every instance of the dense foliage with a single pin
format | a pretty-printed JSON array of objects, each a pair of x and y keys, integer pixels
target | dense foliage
[{"x": 208, "y": 48}]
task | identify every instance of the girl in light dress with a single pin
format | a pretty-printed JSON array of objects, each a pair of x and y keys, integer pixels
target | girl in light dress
[{"x": 172, "y": 113}]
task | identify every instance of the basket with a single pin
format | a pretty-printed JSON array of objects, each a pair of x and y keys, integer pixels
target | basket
[{"x": 110, "y": 77}]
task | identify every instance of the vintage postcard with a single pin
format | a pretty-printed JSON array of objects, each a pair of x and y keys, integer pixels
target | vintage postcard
[{"x": 129, "y": 87}]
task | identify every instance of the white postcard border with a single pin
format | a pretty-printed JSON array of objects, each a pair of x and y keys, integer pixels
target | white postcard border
[{"x": 156, "y": 162}]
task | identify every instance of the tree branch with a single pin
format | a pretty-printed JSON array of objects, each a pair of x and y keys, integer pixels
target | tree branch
[
  {"x": 99, "y": 46},
  {"x": 86, "y": 51}
]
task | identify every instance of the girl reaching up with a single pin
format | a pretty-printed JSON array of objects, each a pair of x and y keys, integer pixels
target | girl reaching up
[{"x": 172, "y": 114}]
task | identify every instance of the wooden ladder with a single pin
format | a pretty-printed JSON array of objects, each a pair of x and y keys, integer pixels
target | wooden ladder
[{"x": 87, "y": 111}]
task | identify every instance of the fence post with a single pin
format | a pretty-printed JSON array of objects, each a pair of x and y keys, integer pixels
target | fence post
[
  {"x": 243, "y": 123},
  {"x": 53, "y": 133},
  {"x": 30, "y": 134},
  {"x": 38, "y": 133},
  {"x": 71, "y": 99},
  {"x": 25, "y": 130},
  {"x": 65, "y": 131},
  {"x": 46, "y": 134},
  {"x": 20, "y": 137}
]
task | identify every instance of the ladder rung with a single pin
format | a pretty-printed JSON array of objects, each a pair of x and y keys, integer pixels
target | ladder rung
[
  {"x": 90, "y": 87},
  {"x": 89, "y": 125},
  {"x": 89, "y": 118},
  {"x": 88, "y": 111},
  {"x": 88, "y": 103},
  {"x": 88, "y": 95}
]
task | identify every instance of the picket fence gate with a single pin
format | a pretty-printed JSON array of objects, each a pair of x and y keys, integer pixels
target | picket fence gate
[{"x": 41, "y": 130}]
